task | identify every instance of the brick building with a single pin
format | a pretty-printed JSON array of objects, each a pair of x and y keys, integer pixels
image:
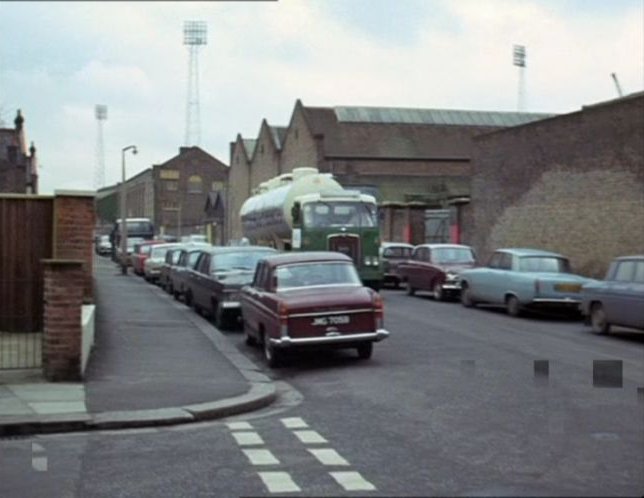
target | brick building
[
  {"x": 173, "y": 194},
  {"x": 573, "y": 184},
  {"x": 409, "y": 159},
  {"x": 18, "y": 165}
]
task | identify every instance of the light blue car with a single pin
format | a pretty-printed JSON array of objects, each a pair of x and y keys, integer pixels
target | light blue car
[{"x": 520, "y": 279}]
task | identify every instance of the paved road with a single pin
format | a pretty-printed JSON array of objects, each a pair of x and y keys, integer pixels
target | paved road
[{"x": 452, "y": 404}]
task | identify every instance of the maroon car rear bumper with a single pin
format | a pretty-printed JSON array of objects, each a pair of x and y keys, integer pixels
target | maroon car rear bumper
[{"x": 287, "y": 342}]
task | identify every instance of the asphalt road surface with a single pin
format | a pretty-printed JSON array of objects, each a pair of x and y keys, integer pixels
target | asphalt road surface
[{"x": 457, "y": 402}]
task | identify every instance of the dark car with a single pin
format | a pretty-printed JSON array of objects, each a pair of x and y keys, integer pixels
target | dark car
[
  {"x": 391, "y": 255},
  {"x": 177, "y": 279},
  {"x": 618, "y": 299},
  {"x": 310, "y": 299},
  {"x": 436, "y": 268},
  {"x": 171, "y": 259},
  {"x": 220, "y": 272}
]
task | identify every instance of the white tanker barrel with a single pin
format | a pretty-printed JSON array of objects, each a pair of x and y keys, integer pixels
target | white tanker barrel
[{"x": 268, "y": 214}]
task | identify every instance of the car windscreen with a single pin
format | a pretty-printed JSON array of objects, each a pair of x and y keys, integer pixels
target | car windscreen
[
  {"x": 548, "y": 264},
  {"x": 159, "y": 252},
  {"x": 454, "y": 255},
  {"x": 316, "y": 274},
  {"x": 397, "y": 252},
  {"x": 242, "y": 260}
]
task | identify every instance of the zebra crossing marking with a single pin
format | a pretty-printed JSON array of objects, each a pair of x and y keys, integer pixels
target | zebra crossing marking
[
  {"x": 294, "y": 423},
  {"x": 38, "y": 463},
  {"x": 352, "y": 481},
  {"x": 261, "y": 457},
  {"x": 279, "y": 482},
  {"x": 239, "y": 426},
  {"x": 247, "y": 438},
  {"x": 328, "y": 456},
  {"x": 309, "y": 437}
]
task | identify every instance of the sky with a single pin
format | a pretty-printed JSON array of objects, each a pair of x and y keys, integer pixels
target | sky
[{"x": 59, "y": 59}]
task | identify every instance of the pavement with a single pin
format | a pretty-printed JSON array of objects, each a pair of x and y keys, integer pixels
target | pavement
[{"x": 154, "y": 362}]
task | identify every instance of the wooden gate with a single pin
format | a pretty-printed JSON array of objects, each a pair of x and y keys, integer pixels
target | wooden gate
[{"x": 26, "y": 235}]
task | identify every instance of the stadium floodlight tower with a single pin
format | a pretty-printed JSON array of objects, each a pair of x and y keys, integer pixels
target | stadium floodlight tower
[
  {"x": 100, "y": 112},
  {"x": 518, "y": 59},
  {"x": 194, "y": 36}
]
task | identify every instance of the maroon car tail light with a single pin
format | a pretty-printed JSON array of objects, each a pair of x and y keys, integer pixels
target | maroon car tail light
[
  {"x": 379, "y": 311},
  {"x": 282, "y": 312}
]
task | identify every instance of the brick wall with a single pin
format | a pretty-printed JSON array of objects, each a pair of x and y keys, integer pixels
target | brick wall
[
  {"x": 265, "y": 163},
  {"x": 573, "y": 184},
  {"x": 63, "y": 296},
  {"x": 300, "y": 148},
  {"x": 191, "y": 162},
  {"x": 74, "y": 221},
  {"x": 238, "y": 189}
]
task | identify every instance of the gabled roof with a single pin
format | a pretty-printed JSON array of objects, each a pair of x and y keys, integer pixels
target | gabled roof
[
  {"x": 401, "y": 133},
  {"x": 192, "y": 150},
  {"x": 249, "y": 145},
  {"x": 278, "y": 133},
  {"x": 215, "y": 204}
]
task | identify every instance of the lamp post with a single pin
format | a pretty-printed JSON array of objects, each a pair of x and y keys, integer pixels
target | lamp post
[{"x": 124, "y": 209}]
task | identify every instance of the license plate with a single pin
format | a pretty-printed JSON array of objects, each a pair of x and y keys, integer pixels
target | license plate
[
  {"x": 568, "y": 287},
  {"x": 331, "y": 320}
]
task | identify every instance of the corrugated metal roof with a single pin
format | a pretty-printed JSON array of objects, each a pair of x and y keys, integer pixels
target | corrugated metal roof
[{"x": 435, "y": 116}]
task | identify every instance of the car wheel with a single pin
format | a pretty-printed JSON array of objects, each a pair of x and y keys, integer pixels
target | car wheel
[
  {"x": 219, "y": 316},
  {"x": 410, "y": 289},
  {"x": 598, "y": 319},
  {"x": 466, "y": 296},
  {"x": 365, "y": 350},
  {"x": 170, "y": 289},
  {"x": 188, "y": 299},
  {"x": 249, "y": 339},
  {"x": 512, "y": 306},
  {"x": 271, "y": 354},
  {"x": 437, "y": 292}
]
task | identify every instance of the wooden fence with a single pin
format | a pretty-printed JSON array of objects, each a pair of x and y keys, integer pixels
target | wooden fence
[{"x": 26, "y": 237}]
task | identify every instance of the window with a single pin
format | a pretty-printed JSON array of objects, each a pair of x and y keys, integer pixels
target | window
[
  {"x": 541, "y": 264},
  {"x": 625, "y": 271},
  {"x": 195, "y": 185},
  {"x": 639, "y": 272},
  {"x": 171, "y": 185},
  {"x": 217, "y": 186},
  {"x": 495, "y": 260},
  {"x": 506, "y": 262}
]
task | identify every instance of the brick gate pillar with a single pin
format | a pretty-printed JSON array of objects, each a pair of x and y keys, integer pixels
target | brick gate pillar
[{"x": 62, "y": 330}]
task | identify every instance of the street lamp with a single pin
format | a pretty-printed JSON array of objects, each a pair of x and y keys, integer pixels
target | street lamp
[{"x": 124, "y": 210}]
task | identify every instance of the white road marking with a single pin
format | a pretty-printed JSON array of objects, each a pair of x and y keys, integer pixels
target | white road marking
[
  {"x": 247, "y": 438},
  {"x": 261, "y": 457},
  {"x": 279, "y": 482},
  {"x": 239, "y": 426},
  {"x": 39, "y": 464},
  {"x": 36, "y": 448},
  {"x": 309, "y": 437},
  {"x": 352, "y": 481},
  {"x": 328, "y": 457},
  {"x": 294, "y": 423}
]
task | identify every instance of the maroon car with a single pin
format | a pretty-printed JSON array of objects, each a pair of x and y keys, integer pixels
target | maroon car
[
  {"x": 310, "y": 299},
  {"x": 435, "y": 268}
]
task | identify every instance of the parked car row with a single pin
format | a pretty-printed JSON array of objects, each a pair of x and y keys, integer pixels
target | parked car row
[
  {"x": 283, "y": 301},
  {"x": 520, "y": 280}
]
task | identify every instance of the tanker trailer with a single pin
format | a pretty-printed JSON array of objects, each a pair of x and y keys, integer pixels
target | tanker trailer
[{"x": 310, "y": 211}]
